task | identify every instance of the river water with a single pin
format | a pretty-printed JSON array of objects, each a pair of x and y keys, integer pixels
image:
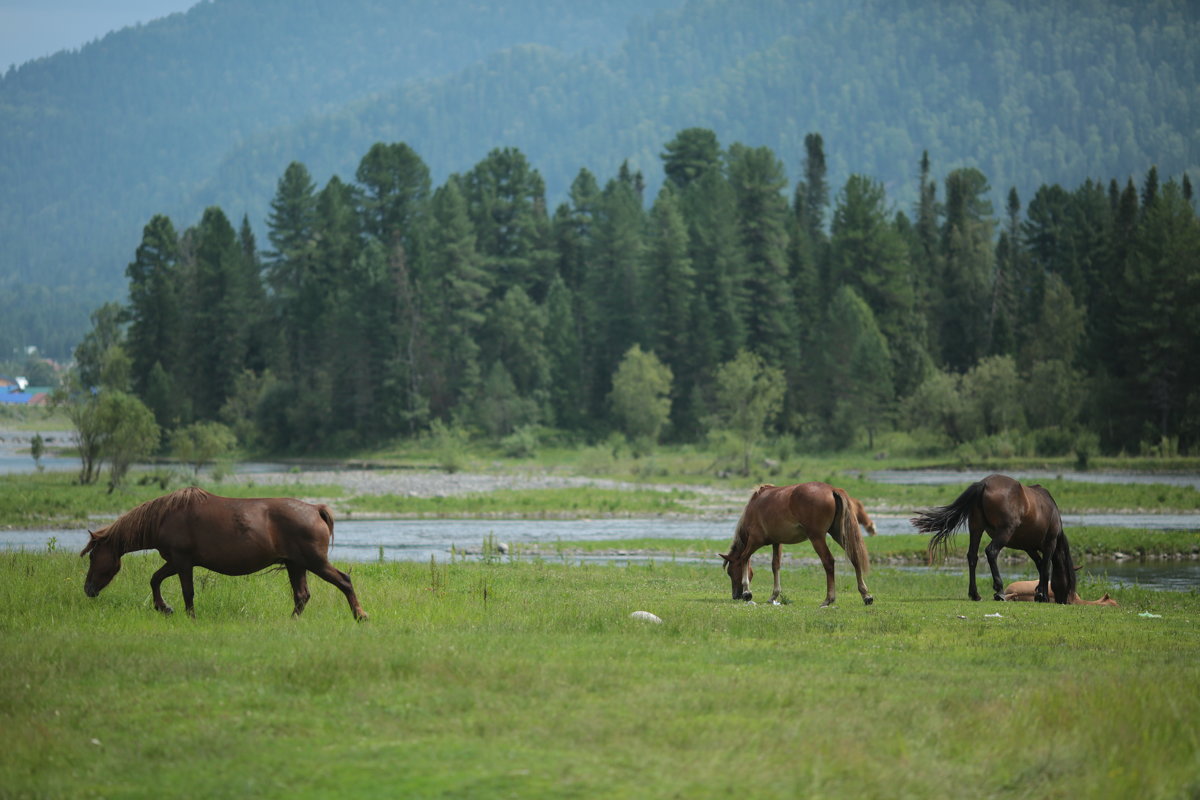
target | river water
[{"x": 443, "y": 539}]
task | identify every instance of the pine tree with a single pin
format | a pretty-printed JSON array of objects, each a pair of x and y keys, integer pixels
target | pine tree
[
  {"x": 396, "y": 188},
  {"x": 455, "y": 291},
  {"x": 691, "y": 155},
  {"x": 155, "y": 332},
  {"x": 757, "y": 178},
  {"x": 672, "y": 285},
  {"x": 507, "y": 204},
  {"x": 614, "y": 289},
  {"x": 966, "y": 259}
]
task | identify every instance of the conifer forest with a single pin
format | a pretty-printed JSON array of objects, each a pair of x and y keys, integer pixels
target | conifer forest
[{"x": 382, "y": 305}]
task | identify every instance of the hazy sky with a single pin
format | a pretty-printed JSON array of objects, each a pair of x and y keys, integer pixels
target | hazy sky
[{"x": 31, "y": 29}]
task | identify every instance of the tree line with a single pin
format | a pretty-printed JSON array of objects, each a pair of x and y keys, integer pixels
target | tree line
[{"x": 386, "y": 307}]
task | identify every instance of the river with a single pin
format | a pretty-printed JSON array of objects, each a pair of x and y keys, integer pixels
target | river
[{"x": 442, "y": 539}]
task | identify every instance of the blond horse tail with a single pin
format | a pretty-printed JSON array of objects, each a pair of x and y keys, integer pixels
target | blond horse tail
[{"x": 847, "y": 532}]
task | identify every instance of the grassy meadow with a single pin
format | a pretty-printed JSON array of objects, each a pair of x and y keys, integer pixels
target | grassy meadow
[{"x": 529, "y": 679}]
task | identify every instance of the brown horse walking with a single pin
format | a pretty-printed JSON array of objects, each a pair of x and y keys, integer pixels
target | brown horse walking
[
  {"x": 1022, "y": 517},
  {"x": 192, "y": 528},
  {"x": 779, "y": 515}
]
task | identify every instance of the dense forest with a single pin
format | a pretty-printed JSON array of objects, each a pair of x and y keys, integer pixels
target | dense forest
[
  {"x": 207, "y": 108},
  {"x": 386, "y": 305}
]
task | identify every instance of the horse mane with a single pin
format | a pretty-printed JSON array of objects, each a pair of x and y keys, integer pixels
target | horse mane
[
  {"x": 131, "y": 529},
  {"x": 739, "y": 532}
]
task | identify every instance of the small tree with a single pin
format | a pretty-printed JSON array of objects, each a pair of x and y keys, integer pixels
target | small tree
[
  {"x": 749, "y": 395},
  {"x": 641, "y": 395},
  {"x": 128, "y": 433},
  {"x": 202, "y": 443},
  {"x": 36, "y": 448}
]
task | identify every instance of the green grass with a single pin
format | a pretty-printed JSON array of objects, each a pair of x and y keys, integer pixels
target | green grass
[
  {"x": 1087, "y": 543},
  {"x": 55, "y": 499},
  {"x": 528, "y": 503},
  {"x": 529, "y": 679}
]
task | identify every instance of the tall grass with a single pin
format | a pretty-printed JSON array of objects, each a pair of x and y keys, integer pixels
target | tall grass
[{"x": 529, "y": 678}]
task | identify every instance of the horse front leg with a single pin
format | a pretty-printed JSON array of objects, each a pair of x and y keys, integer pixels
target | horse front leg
[
  {"x": 299, "y": 579},
  {"x": 819, "y": 544},
  {"x": 185, "y": 584},
  {"x": 747, "y": 574},
  {"x": 165, "y": 571},
  {"x": 993, "y": 553},
  {"x": 776, "y": 561},
  {"x": 1042, "y": 560}
]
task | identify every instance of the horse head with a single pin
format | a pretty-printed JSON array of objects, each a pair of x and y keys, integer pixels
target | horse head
[
  {"x": 733, "y": 567},
  {"x": 104, "y": 566}
]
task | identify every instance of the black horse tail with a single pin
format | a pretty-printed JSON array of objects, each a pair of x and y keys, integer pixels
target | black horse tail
[
  {"x": 943, "y": 521},
  {"x": 1063, "y": 581}
]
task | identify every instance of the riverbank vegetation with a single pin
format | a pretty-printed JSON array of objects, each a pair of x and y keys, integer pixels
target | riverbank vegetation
[
  {"x": 530, "y": 678},
  {"x": 56, "y": 499}
]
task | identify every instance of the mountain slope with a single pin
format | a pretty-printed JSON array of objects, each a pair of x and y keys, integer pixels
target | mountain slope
[{"x": 209, "y": 107}]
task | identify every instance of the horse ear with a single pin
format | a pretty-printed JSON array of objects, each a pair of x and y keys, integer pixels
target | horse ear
[
  {"x": 87, "y": 548},
  {"x": 724, "y": 556}
]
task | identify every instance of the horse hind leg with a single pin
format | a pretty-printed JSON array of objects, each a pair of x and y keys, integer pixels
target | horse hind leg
[
  {"x": 822, "y": 547},
  {"x": 975, "y": 529},
  {"x": 341, "y": 580},
  {"x": 862, "y": 583}
]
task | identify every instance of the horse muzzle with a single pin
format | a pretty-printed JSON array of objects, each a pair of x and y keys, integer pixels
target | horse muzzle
[{"x": 90, "y": 589}]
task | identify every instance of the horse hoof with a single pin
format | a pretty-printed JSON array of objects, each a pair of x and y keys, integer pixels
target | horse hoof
[
  {"x": 362, "y": 617},
  {"x": 868, "y": 600},
  {"x": 166, "y": 610}
]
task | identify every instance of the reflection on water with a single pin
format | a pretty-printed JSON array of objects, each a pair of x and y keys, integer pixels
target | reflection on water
[{"x": 420, "y": 540}]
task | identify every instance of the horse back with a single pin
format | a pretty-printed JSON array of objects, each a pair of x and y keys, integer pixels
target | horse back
[
  {"x": 813, "y": 506},
  {"x": 241, "y": 535}
]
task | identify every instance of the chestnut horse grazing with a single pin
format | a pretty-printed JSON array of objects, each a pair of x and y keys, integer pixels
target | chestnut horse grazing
[
  {"x": 1024, "y": 590},
  {"x": 1022, "y": 517},
  {"x": 779, "y": 515},
  {"x": 192, "y": 528}
]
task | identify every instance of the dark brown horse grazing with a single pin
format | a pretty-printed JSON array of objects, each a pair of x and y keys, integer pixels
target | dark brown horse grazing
[
  {"x": 779, "y": 515},
  {"x": 1022, "y": 517},
  {"x": 192, "y": 528}
]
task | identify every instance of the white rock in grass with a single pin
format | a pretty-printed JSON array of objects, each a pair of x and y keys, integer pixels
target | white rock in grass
[{"x": 646, "y": 615}]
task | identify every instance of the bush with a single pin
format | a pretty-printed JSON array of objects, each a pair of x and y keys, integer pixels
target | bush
[{"x": 521, "y": 443}]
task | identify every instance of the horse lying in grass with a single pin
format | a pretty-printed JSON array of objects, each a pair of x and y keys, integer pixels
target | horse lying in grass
[
  {"x": 192, "y": 528},
  {"x": 1024, "y": 517},
  {"x": 1024, "y": 591},
  {"x": 779, "y": 515}
]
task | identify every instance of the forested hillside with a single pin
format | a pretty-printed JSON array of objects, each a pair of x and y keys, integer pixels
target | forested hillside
[
  {"x": 94, "y": 141},
  {"x": 207, "y": 108},
  {"x": 390, "y": 305}
]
